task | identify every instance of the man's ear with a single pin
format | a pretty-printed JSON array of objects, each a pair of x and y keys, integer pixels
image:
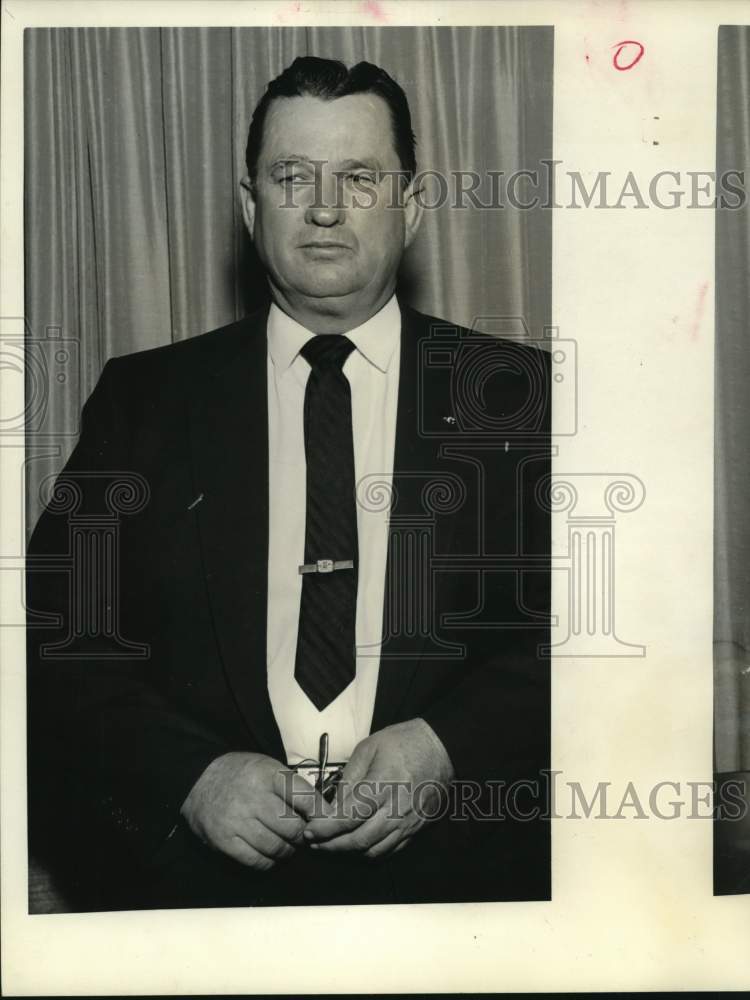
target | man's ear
[
  {"x": 413, "y": 209},
  {"x": 247, "y": 197}
]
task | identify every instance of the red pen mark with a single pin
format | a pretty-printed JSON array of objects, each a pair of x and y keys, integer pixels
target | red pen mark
[
  {"x": 699, "y": 310},
  {"x": 621, "y": 64},
  {"x": 292, "y": 10},
  {"x": 373, "y": 8}
]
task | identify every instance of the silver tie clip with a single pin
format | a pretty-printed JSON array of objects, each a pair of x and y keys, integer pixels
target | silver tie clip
[{"x": 326, "y": 565}]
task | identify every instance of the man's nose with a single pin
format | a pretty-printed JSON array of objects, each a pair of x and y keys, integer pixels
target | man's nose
[
  {"x": 327, "y": 208},
  {"x": 324, "y": 215}
]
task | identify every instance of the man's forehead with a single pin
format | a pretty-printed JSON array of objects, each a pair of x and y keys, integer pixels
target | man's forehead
[{"x": 350, "y": 127}]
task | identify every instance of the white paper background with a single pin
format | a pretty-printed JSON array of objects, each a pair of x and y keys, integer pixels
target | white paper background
[{"x": 633, "y": 906}]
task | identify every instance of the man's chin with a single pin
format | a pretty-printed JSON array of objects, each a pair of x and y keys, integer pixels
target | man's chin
[{"x": 329, "y": 289}]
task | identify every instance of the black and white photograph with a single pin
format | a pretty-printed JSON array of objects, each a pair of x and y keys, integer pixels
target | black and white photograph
[
  {"x": 373, "y": 505},
  {"x": 289, "y": 594}
]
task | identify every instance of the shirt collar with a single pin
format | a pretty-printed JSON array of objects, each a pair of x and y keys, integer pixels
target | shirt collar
[{"x": 376, "y": 339}]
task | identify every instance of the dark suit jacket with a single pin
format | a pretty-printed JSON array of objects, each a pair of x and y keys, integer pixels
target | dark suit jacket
[{"x": 127, "y": 709}]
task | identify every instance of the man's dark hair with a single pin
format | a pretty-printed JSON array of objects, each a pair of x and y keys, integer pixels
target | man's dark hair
[{"x": 309, "y": 76}]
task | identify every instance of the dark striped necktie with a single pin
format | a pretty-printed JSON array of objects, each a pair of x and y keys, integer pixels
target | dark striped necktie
[{"x": 325, "y": 663}]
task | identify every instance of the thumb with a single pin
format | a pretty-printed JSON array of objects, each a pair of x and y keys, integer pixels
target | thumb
[
  {"x": 359, "y": 762},
  {"x": 339, "y": 815},
  {"x": 358, "y": 769}
]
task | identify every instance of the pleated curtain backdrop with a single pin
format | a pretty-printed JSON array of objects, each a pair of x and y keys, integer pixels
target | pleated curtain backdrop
[
  {"x": 732, "y": 427},
  {"x": 135, "y": 145}
]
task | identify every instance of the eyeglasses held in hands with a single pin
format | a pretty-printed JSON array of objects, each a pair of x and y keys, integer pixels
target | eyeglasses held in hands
[{"x": 324, "y": 774}]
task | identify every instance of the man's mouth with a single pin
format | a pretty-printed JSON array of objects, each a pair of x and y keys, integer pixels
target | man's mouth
[{"x": 325, "y": 245}]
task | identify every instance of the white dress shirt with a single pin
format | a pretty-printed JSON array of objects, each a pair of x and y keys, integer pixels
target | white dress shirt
[{"x": 373, "y": 372}]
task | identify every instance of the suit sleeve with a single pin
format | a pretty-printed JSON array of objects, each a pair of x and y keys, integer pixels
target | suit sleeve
[
  {"x": 495, "y": 722},
  {"x": 109, "y": 759}
]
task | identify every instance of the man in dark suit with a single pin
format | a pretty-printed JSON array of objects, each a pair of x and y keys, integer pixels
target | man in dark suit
[{"x": 264, "y": 592}]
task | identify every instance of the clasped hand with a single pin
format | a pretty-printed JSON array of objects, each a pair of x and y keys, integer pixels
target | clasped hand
[{"x": 252, "y": 808}]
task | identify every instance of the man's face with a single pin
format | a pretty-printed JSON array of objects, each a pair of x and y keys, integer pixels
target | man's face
[{"x": 324, "y": 252}]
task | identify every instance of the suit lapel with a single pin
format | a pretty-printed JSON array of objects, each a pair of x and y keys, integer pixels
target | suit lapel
[
  {"x": 229, "y": 442},
  {"x": 415, "y": 462}
]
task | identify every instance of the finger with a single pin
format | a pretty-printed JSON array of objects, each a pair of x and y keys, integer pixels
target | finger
[
  {"x": 355, "y": 800},
  {"x": 278, "y": 816},
  {"x": 361, "y": 799},
  {"x": 343, "y": 818},
  {"x": 391, "y": 843},
  {"x": 361, "y": 839},
  {"x": 358, "y": 797},
  {"x": 360, "y": 762},
  {"x": 356, "y": 805},
  {"x": 298, "y": 794},
  {"x": 241, "y": 851},
  {"x": 265, "y": 841}
]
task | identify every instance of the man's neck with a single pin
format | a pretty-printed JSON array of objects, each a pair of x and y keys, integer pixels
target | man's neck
[{"x": 330, "y": 315}]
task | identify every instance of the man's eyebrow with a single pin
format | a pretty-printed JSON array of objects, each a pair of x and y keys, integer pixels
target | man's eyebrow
[
  {"x": 351, "y": 164},
  {"x": 285, "y": 158},
  {"x": 372, "y": 164}
]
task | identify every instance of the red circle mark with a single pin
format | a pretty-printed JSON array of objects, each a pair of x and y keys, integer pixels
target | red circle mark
[{"x": 620, "y": 46}]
